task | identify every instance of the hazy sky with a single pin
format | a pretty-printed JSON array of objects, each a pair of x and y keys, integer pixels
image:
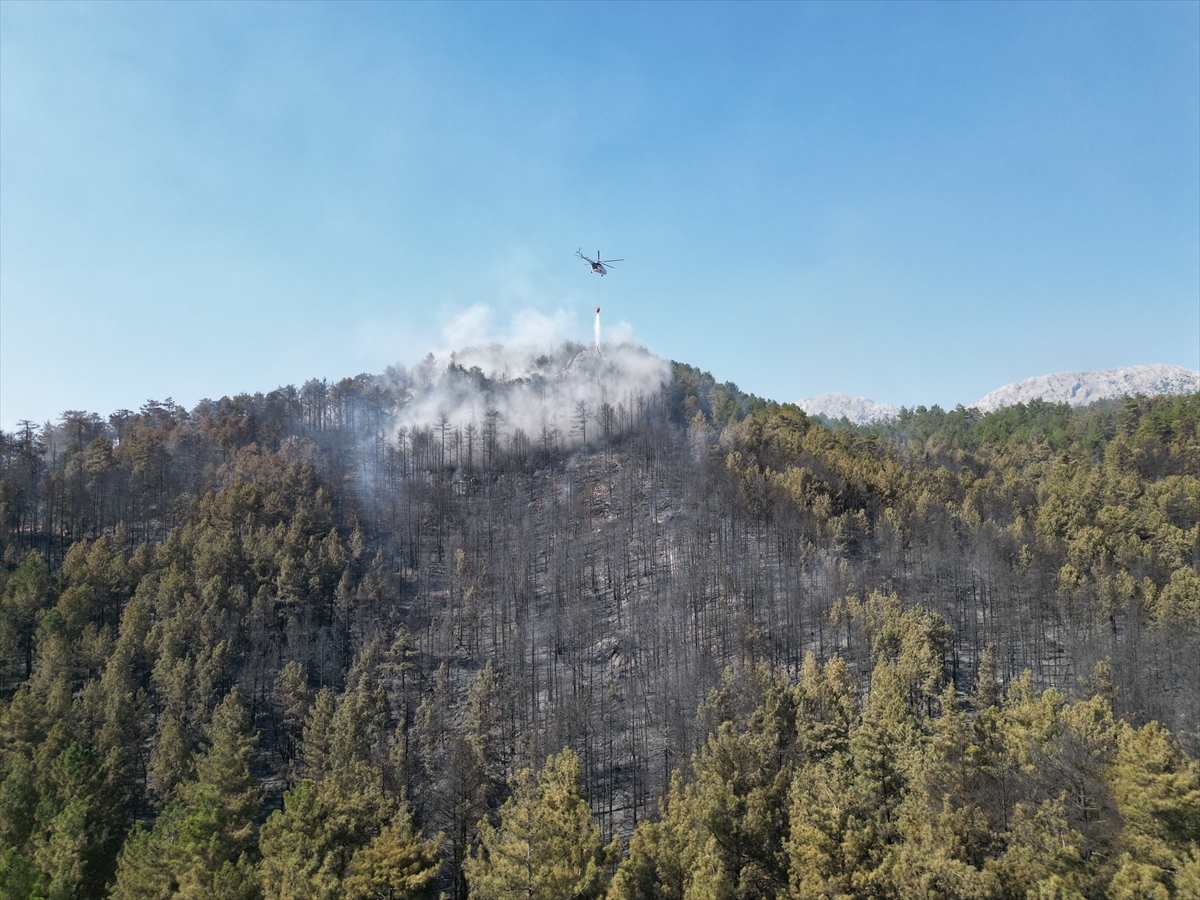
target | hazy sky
[{"x": 916, "y": 203}]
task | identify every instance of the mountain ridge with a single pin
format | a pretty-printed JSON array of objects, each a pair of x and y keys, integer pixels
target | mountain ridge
[
  {"x": 1074, "y": 388},
  {"x": 859, "y": 410},
  {"x": 1083, "y": 388}
]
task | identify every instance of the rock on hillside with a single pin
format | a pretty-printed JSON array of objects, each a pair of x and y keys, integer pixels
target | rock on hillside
[
  {"x": 858, "y": 410},
  {"x": 1082, "y": 388}
]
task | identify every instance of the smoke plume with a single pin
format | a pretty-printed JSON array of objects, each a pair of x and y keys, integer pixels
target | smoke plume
[{"x": 531, "y": 380}]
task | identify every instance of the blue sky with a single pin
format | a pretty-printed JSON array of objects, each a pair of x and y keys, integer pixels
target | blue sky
[{"x": 916, "y": 203}]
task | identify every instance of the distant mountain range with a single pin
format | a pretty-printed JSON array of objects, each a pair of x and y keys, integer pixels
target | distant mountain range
[
  {"x": 858, "y": 410},
  {"x": 1082, "y": 388},
  {"x": 1075, "y": 388}
]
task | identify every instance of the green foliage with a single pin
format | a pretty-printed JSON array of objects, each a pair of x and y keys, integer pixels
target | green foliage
[
  {"x": 1044, "y": 855},
  {"x": 1157, "y": 789},
  {"x": 661, "y": 855},
  {"x": 61, "y": 818},
  {"x": 186, "y": 854},
  {"x": 77, "y": 825},
  {"x": 19, "y": 878},
  {"x": 291, "y": 701},
  {"x": 545, "y": 846},
  {"x": 26, "y": 594},
  {"x": 1101, "y": 506},
  {"x": 200, "y": 844},
  {"x": 693, "y": 391},
  {"x": 334, "y": 839},
  {"x": 739, "y": 797},
  {"x": 339, "y": 833},
  {"x": 171, "y": 761},
  {"x": 826, "y": 793},
  {"x": 306, "y": 847},
  {"x": 396, "y": 865}
]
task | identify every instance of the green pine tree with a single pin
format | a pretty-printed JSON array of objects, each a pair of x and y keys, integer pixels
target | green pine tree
[
  {"x": 77, "y": 825},
  {"x": 199, "y": 845},
  {"x": 340, "y": 808},
  {"x": 1157, "y": 788},
  {"x": 396, "y": 865},
  {"x": 545, "y": 847},
  {"x": 660, "y": 853}
]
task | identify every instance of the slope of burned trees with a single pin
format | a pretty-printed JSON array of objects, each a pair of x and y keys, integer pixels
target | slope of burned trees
[{"x": 295, "y": 582}]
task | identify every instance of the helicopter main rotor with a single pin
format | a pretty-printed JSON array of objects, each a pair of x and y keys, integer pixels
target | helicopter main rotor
[{"x": 599, "y": 266}]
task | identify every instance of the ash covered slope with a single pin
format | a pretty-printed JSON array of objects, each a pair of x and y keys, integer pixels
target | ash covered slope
[
  {"x": 859, "y": 410},
  {"x": 1082, "y": 388}
]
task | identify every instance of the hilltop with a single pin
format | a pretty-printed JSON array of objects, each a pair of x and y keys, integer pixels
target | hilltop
[{"x": 287, "y": 637}]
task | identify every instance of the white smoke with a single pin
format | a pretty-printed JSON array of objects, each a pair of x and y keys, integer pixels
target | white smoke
[{"x": 531, "y": 375}]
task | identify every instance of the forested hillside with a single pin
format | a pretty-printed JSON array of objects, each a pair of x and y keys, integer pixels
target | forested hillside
[{"x": 687, "y": 644}]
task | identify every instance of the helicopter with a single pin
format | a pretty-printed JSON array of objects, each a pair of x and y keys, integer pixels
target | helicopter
[{"x": 599, "y": 266}]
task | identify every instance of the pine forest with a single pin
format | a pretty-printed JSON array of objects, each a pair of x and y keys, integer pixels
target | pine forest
[{"x": 676, "y": 643}]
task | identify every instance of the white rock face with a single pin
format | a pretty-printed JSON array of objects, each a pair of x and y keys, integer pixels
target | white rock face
[
  {"x": 1082, "y": 388},
  {"x": 858, "y": 410}
]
